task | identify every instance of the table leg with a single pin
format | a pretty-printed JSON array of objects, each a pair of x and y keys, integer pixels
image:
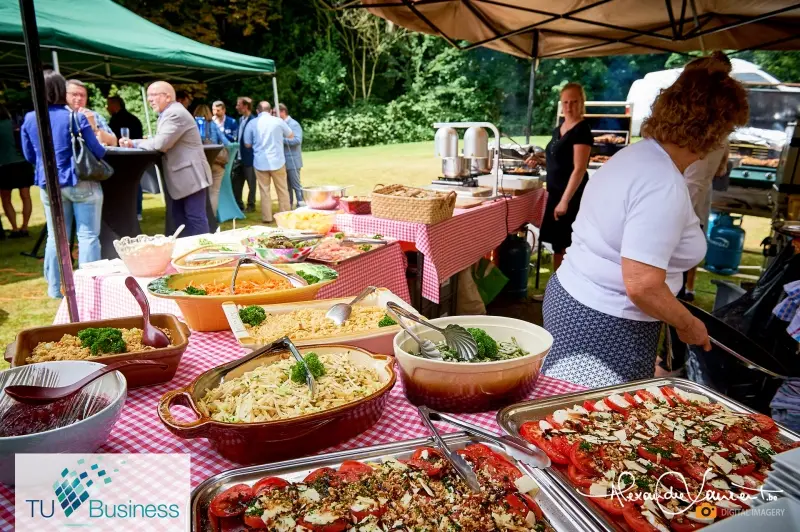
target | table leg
[
  {"x": 453, "y": 294},
  {"x": 417, "y": 295}
]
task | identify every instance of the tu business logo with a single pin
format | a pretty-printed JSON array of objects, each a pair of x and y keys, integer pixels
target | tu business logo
[{"x": 102, "y": 492}]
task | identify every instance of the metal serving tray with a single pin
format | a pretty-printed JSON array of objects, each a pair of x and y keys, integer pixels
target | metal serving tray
[
  {"x": 512, "y": 417},
  {"x": 562, "y": 512}
]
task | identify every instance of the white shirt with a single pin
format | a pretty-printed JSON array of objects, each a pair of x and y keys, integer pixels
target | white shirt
[
  {"x": 266, "y": 135},
  {"x": 636, "y": 206},
  {"x": 699, "y": 177}
]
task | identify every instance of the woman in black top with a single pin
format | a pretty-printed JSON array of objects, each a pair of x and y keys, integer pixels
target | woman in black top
[{"x": 567, "y": 159}]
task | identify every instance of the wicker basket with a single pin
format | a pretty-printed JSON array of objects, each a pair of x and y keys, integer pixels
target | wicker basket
[{"x": 409, "y": 209}]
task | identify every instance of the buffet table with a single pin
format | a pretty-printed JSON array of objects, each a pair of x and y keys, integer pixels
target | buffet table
[
  {"x": 453, "y": 245},
  {"x": 103, "y": 295},
  {"x": 140, "y": 431}
]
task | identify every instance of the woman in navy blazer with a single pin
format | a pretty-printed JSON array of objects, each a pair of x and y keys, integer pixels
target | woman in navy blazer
[{"x": 82, "y": 200}]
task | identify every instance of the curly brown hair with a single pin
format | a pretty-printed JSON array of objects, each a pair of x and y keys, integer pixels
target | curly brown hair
[{"x": 700, "y": 109}]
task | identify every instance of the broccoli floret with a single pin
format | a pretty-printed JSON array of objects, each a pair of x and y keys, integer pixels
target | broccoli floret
[
  {"x": 378, "y": 237},
  {"x": 386, "y": 321},
  {"x": 365, "y": 247},
  {"x": 192, "y": 291},
  {"x": 310, "y": 279},
  {"x": 487, "y": 346},
  {"x": 339, "y": 236},
  {"x": 252, "y": 315},
  {"x": 298, "y": 372},
  {"x": 102, "y": 340}
]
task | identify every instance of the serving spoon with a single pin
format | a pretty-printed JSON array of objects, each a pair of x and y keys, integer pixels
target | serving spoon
[
  {"x": 455, "y": 336},
  {"x": 340, "y": 312},
  {"x": 152, "y": 336},
  {"x": 42, "y": 395}
]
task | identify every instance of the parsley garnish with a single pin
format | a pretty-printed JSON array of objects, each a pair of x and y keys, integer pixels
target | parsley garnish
[{"x": 585, "y": 446}]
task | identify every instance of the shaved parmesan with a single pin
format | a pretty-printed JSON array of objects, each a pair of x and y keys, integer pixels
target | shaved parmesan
[
  {"x": 687, "y": 423},
  {"x": 406, "y": 500},
  {"x": 758, "y": 441},
  {"x": 720, "y": 484},
  {"x": 530, "y": 519},
  {"x": 679, "y": 434},
  {"x": 655, "y": 521},
  {"x": 736, "y": 479},
  {"x": 363, "y": 503},
  {"x": 590, "y": 438},
  {"x": 669, "y": 423},
  {"x": 621, "y": 435},
  {"x": 633, "y": 465},
  {"x": 610, "y": 474},
  {"x": 598, "y": 490},
  {"x": 601, "y": 415},
  {"x": 720, "y": 462}
]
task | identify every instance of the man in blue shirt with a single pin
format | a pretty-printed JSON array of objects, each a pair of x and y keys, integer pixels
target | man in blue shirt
[
  {"x": 226, "y": 124},
  {"x": 265, "y": 136},
  {"x": 243, "y": 171},
  {"x": 294, "y": 157}
]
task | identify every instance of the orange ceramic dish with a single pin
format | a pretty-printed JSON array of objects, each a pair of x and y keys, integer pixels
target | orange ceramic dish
[
  {"x": 268, "y": 441},
  {"x": 18, "y": 352}
]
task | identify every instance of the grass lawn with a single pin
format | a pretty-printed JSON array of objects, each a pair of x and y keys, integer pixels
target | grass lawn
[{"x": 23, "y": 291}]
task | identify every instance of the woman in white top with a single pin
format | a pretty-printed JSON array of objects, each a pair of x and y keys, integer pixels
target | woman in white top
[{"x": 635, "y": 234}]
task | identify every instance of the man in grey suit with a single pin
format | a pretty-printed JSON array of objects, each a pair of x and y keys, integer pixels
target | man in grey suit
[
  {"x": 187, "y": 174},
  {"x": 292, "y": 149}
]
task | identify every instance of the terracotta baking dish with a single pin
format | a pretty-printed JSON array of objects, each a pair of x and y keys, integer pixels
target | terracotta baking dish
[
  {"x": 248, "y": 443},
  {"x": 22, "y": 347}
]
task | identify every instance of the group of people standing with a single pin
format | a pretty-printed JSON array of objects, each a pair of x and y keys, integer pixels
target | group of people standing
[
  {"x": 626, "y": 239},
  {"x": 270, "y": 154}
]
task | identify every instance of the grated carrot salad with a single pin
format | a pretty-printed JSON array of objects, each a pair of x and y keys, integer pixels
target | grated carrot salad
[{"x": 218, "y": 288}]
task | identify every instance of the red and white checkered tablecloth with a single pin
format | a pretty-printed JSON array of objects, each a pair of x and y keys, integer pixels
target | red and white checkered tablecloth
[
  {"x": 140, "y": 431},
  {"x": 105, "y": 296},
  {"x": 457, "y": 243}
]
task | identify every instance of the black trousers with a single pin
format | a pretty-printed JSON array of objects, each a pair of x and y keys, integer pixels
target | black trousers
[{"x": 240, "y": 175}]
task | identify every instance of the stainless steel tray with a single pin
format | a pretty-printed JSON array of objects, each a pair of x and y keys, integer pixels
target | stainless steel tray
[
  {"x": 512, "y": 417},
  {"x": 562, "y": 512}
]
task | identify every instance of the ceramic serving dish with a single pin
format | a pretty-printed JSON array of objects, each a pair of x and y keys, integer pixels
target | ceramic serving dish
[
  {"x": 248, "y": 443},
  {"x": 204, "y": 313},
  {"x": 377, "y": 340},
  {"x": 83, "y": 436},
  {"x": 281, "y": 255},
  {"x": 18, "y": 351},
  {"x": 472, "y": 386}
]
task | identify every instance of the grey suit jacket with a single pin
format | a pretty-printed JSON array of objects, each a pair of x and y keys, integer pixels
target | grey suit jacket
[
  {"x": 186, "y": 169},
  {"x": 292, "y": 148}
]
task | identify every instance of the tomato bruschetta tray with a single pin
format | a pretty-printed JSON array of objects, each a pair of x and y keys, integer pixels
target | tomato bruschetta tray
[
  {"x": 656, "y": 455},
  {"x": 401, "y": 486}
]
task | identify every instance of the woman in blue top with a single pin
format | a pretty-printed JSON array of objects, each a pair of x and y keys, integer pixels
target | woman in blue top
[
  {"x": 211, "y": 134},
  {"x": 82, "y": 200}
]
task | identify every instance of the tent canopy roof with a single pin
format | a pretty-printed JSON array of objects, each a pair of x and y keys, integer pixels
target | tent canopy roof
[
  {"x": 100, "y": 41},
  {"x": 581, "y": 28}
]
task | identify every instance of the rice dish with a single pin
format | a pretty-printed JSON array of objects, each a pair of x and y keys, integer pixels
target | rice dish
[
  {"x": 70, "y": 347},
  {"x": 267, "y": 393}
]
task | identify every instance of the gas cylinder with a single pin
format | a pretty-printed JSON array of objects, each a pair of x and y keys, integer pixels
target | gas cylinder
[
  {"x": 725, "y": 245},
  {"x": 514, "y": 260}
]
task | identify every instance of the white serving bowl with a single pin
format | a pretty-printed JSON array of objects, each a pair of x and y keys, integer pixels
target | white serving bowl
[
  {"x": 472, "y": 386},
  {"x": 84, "y": 436}
]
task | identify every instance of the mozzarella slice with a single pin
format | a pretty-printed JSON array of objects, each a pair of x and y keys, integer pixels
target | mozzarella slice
[
  {"x": 578, "y": 409},
  {"x": 720, "y": 462},
  {"x": 526, "y": 484},
  {"x": 601, "y": 406},
  {"x": 619, "y": 400},
  {"x": 561, "y": 416},
  {"x": 320, "y": 518},
  {"x": 424, "y": 454},
  {"x": 309, "y": 495},
  {"x": 271, "y": 512},
  {"x": 544, "y": 425},
  {"x": 656, "y": 392}
]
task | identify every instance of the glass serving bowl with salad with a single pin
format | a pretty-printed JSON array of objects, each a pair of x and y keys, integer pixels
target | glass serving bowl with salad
[{"x": 280, "y": 249}]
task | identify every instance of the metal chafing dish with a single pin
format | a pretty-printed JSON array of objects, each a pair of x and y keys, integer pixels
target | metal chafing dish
[
  {"x": 512, "y": 417},
  {"x": 557, "y": 505}
]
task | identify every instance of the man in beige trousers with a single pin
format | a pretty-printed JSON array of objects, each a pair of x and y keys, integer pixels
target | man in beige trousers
[{"x": 265, "y": 135}]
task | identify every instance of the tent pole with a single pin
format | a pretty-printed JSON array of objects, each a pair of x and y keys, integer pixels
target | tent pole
[
  {"x": 275, "y": 91},
  {"x": 55, "y": 61},
  {"x": 30, "y": 33},
  {"x": 531, "y": 87},
  {"x": 150, "y": 134}
]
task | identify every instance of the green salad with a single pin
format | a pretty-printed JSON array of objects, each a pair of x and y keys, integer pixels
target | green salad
[
  {"x": 489, "y": 349},
  {"x": 278, "y": 242}
]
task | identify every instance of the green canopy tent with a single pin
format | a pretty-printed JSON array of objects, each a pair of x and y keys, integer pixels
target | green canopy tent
[{"x": 102, "y": 42}]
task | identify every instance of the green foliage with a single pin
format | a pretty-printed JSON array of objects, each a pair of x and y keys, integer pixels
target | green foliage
[
  {"x": 192, "y": 291},
  {"x": 315, "y": 273},
  {"x": 315, "y": 366},
  {"x": 252, "y": 315},
  {"x": 321, "y": 74},
  {"x": 102, "y": 340}
]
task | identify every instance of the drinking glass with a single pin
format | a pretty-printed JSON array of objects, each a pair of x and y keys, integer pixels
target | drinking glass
[{"x": 125, "y": 133}]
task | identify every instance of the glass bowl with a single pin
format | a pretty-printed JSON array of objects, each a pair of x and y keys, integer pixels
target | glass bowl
[{"x": 145, "y": 256}]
